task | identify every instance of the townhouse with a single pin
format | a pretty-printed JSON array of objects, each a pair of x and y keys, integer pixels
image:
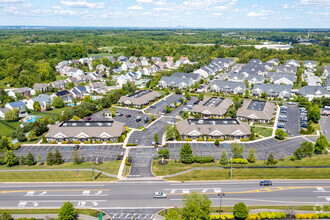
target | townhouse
[
  {"x": 213, "y": 107},
  {"x": 139, "y": 99},
  {"x": 228, "y": 87},
  {"x": 311, "y": 92},
  {"x": 272, "y": 90},
  {"x": 256, "y": 111}
]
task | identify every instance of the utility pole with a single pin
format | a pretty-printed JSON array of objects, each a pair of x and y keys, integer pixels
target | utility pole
[{"x": 220, "y": 194}]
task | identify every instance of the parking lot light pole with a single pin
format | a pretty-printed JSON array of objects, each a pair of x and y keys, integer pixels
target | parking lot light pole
[
  {"x": 221, "y": 195},
  {"x": 231, "y": 167}
]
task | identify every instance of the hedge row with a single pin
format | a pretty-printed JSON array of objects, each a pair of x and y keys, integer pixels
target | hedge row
[
  {"x": 131, "y": 144},
  {"x": 271, "y": 215},
  {"x": 223, "y": 217},
  {"x": 312, "y": 216},
  {"x": 206, "y": 159},
  {"x": 127, "y": 163},
  {"x": 239, "y": 161}
]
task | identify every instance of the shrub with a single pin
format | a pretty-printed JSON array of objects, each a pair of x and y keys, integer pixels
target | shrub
[
  {"x": 292, "y": 158},
  {"x": 99, "y": 142},
  {"x": 188, "y": 139},
  {"x": 53, "y": 142},
  {"x": 109, "y": 142},
  {"x": 230, "y": 139},
  {"x": 240, "y": 211},
  {"x": 64, "y": 142},
  {"x": 239, "y": 161},
  {"x": 243, "y": 139},
  {"x": 221, "y": 139},
  {"x": 322, "y": 215},
  {"x": 216, "y": 142},
  {"x": 283, "y": 215},
  {"x": 253, "y": 217},
  {"x": 262, "y": 215},
  {"x": 131, "y": 144},
  {"x": 76, "y": 142},
  {"x": 87, "y": 142},
  {"x": 210, "y": 139},
  {"x": 127, "y": 162},
  {"x": 200, "y": 139},
  {"x": 206, "y": 159}
]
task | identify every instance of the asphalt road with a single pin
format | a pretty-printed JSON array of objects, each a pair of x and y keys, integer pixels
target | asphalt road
[
  {"x": 123, "y": 197},
  {"x": 141, "y": 162}
]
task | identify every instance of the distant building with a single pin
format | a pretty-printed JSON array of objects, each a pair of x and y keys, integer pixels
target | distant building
[
  {"x": 43, "y": 100},
  {"x": 214, "y": 106},
  {"x": 256, "y": 111},
  {"x": 227, "y": 87},
  {"x": 311, "y": 92},
  {"x": 139, "y": 99}
]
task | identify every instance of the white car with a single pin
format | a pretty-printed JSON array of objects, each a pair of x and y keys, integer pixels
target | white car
[{"x": 159, "y": 195}]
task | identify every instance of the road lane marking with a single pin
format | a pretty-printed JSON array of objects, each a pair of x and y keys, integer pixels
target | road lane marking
[
  {"x": 48, "y": 186},
  {"x": 53, "y": 190},
  {"x": 86, "y": 193},
  {"x": 185, "y": 191},
  {"x": 22, "y": 204},
  {"x": 82, "y": 204},
  {"x": 30, "y": 193},
  {"x": 43, "y": 193}
]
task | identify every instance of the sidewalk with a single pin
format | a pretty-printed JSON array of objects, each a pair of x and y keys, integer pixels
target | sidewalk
[{"x": 54, "y": 216}]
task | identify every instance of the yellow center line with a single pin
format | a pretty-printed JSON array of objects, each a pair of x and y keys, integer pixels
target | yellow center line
[
  {"x": 54, "y": 190},
  {"x": 263, "y": 190}
]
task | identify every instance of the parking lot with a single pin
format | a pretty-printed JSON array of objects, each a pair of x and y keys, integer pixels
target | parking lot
[
  {"x": 131, "y": 213},
  {"x": 291, "y": 120},
  {"x": 160, "y": 106},
  {"x": 101, "y": 152},
  {"x": 263, "y": 148}
]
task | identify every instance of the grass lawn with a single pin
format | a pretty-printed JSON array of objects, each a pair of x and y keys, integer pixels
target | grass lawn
[
  {"x": 110, "y": 167},
  {"x": 243, "y": 174},
  {"x": 263, "y": 125},
  {"x": 265, "y": 132},
  {"x": 90, "y": 212},
  {"x": 59, "y": 77},
  {"x": 5, "y": 130},
  {"x": 101, "y": 55},
  {"x": 55, "y": 113},
  {"x": 171, "y": 167},
  {"x": 56, "y": 176}
]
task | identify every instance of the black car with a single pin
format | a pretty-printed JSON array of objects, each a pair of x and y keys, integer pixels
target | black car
[
  {"x": 119, "y": 114},
  {"x": 128, "y": 116},
  {"x": 76, "y": 147},
  {"x": 266, "y": 183},
  {"x": 146, "y": 119},
  {"x": 196, "y": 103}
]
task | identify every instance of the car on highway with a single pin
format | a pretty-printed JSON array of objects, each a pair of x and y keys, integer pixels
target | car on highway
[
  {"x": 159, "y": 195},
  {"x": 266, "y": 183}
]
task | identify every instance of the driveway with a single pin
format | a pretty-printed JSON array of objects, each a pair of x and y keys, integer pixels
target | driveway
[{"x": 141, "y": 162}]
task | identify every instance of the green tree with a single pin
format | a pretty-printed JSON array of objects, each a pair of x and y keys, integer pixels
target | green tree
[
  {"x": 270, "y": 159},
  {"x": 39, "y": 159},
  {"x": 10, "y": 158},
  {"x": 252, "y": 157},
  {"x": 252, "y": 135},
  {"x": 12, "y": 115},
  {"x": 247, "y": 93},
  {"x": 172, "y": 215},
  {"x": 321, "y": 144},
  {"x": 67, "y": 212},
  {"x": 232, "y": 112},
  {"x": 171, "y": 132},
  {"x": 240, "y": 211},
  {"x": 6, "y": 216},
  {"x": 5, "y": 144},
  {"x": 58, "y": 157},
  {"x": 57, "y": 102},
  {"x": 76, "y": 157},
  {"x": 21, "y": 160},
  {"x": 224, "y": 158},
  {"x": 186, "y": 153},
  {"x": 30, "y": 161},
  {"x": 87, "y": 98},
  {"x": 237, "y": 150},
  {"x": 187, "y": 95},
  {"x": 196, "y": 206},
  {"x": 32, "y": 135},
  {"x": 156, "y": 138},
  {"x": 280, "y": 134},
  {"x": 201, "y": 96},
  {"x": 168, "y": 109},
  {"x": 50, "y": 158},
  {"x": 263, "y": 95},
  {"x": 314, "y": 113},
  {"x": 48, "y": 107},
  {"x": 164, "y": 153},
  {"x": 36, "y": 106},
  {"x": 185, "y": 115}
]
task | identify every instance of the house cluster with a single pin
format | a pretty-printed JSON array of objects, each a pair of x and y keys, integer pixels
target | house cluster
[
  {"x": 139, "y": 99},
  {"x": 215, "y": 66}
]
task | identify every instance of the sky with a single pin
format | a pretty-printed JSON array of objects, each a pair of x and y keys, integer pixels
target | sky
[{"x": 167, "y": 13}]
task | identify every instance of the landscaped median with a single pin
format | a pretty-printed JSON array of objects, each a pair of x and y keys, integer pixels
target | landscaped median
[
  {"x": 257, "y": 170},
  {"x": 20, "y": 175}
]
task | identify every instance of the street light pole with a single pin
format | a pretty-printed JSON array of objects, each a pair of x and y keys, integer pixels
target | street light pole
[
  {"x": 231, "y": 167},
  {"x": 220, "y": 194}
]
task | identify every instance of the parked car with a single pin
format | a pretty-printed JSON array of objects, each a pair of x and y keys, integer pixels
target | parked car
[
  {"x": 159, "y": 195},
  {"x": 146, "y": 119},
  {"x": 196, "y": 102},
  {"x": 128, "y": 116},
  {"x": 266, "y": 183},
  {"x": 88, "y": 119},
  {"x": 280, "y": 125},
  {"x": 119, "y": 114},
  {"x": 138, "y": 118},
  {"x": 153, "y": 106},
  {"x": 76, "y": 147},
  {"x": 303, "y": 125}
]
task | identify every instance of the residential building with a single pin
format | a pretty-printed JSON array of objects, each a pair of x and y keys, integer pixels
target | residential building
[
  {"x": 63, "y": 94},
  {"x": 311, "y": 92},
  {"x": 272, "y": 90},
  {"x": 237, "y": 77},
  {"x": 255, "y": 78},
  {"x": 175, "y": 82},
  {"x": 326, "y": 70},
  {"x": 96, "y": 87},
  {"x": 139, "y": 99},
  {"x": 256, "y": 111},
  {"x": 213, "y": 107},
  {"x": 327, "y": 83},
  {"x": 281, "y": 78},
  {"x": 3, "y": 112},
  {"x": 285, "y": 69},
  {"x": 42, "y": 87},
  {"x": 228, "y": 87},
  {"x": 78, "y": 92},
  {"x": 85, "y": 131},
  {"x": 25, "y": 91},
  {"x": 20, "y": 105},
  {"x": 213, "y": 128},
  {"x": 293, "y": 63},
  {"x": 309, "y": 64},
  {"x": 325, "y": 111},
  {"x": 275, "y": 62},
  {"x": 193, "y": 76},
  {"x": 43, "y": 100},
  {"x": 313, "y": 80},
  {"x": 59, "y": 84}
]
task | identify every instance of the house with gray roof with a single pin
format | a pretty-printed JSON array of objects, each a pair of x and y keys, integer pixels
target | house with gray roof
[
  {"x": 272, "y": 90},
  {"x": 213, "y": 107},
  {"x": 78, "y": 92},
  {"x": 84, "y": 131},
  {"x": 193, "y": 76},
  {"x": 311, "y": 92},
  {"x": 293, "y": 63},
  {"x": 327, "y": 83},
  {"x": 228, "y": 87},
  {"x": 175, "y": 82},
  {"x": 213, "y": 128},
  {"x": 309, "y": 64},
  {"x": 281, "y": 78},
  {"x": 59, "y": 84},
  {"x": 42, "y": 87},
  {"x": 255, "y": 78},
  {"x": 326, "y": 70},
  {"x": 20, "y": 105},
  {"x": 237, "y": 77},
  {"x": 275, "y": 62},
  {"x": 3, "y": 112},
  {"x": 43, "y": 100},
  {"x": 259, "y": 111},
  {"x": 63, "y": 94},
  {"x": 25, "y": 91},
  {"x": 285, "y": 69},
  {"x": 139, "y": 99}
]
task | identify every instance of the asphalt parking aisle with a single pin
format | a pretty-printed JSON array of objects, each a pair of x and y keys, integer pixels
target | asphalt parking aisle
[
  {"x": 141, "y": 162},
  {"x": 118, "y": 214},
  {"x": 292, "y": 125}
]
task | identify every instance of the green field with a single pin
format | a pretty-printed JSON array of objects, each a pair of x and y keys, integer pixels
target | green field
[
  {"x": 171, "y": 167},
  {"x": 5, "y": 130},
  {"x": 110, "y": 167},
  {"x": 265, "y": 132},
  {"x": 55, "y": 176},
  {"x": 244, "y": 174},
  {"x": 101, "y": 55},
  {"x": 55, "y": 113}
]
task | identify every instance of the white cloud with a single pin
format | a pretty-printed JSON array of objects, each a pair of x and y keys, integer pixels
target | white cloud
[
  {"x": 254, "y": 6},
  {"x": 324, "y": 13},
  {"x": 11, "y": 1},
  {"x": 261, "y": 13},
  {"x": 236, "y": 10},
  {"x": 189, "y": 13},
  {"x": 135, "y": 7},
  {"x": 83, "y": 4},
  {"x": 65, "y": 12},
  {"x": 146, "y": 13},
  {"x": 310, "y": 13},
  {"x": 163, "y": 9},
  {"x": 220, "y": 7},
  {"x": 314, "y": 2},
  {"x": 144, "y": 1},
  {"x": 217, "y": 14},
  {"x": 115, "y": 14}
]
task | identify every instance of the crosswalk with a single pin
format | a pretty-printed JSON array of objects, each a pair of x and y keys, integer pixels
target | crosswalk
[
  {"x": 119, "y": 216},
  {"x": 187, "y": 191}
]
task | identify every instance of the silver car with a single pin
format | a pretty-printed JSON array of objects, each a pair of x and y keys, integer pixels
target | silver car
[{"x": 159, "y": 195}]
